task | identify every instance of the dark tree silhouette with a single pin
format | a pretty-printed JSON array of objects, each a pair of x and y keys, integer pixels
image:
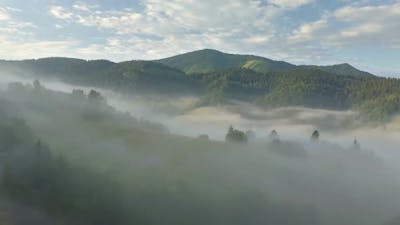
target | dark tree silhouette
[
  {"x": 274, "y": 136},
  {"x": 95, "y": 96},
  {"x": 274, "y": 133},
  {"x": 235, "y": 136},
  {"x": 315, "y": 135}
]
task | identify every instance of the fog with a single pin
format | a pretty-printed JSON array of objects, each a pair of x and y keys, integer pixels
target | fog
[
  {"x": 145, "y": 174},
  {"x": 181, "y": 117},
  {"x": 295, "y": 123}
]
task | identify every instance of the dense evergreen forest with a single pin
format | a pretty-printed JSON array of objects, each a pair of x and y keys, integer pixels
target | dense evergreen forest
[
  {"x": 80, "y": 161},
  {"x": 219, "y": 77}
]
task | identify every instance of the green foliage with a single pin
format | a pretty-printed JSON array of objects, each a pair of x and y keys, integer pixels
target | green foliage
[
  {"x": 377, "y": 98},
  {"x": 237, "y": 83},
  {"x": 235, "y": 136},
  {"x": 305, "y": 87},
  {"x": 203, "y": 61},
  {"x": 219, "y": 77},
  {"x": 381, "y": 108},
  {"x": 34, "y": 176},
  {"x": 68, "y": 69},
  {"x": 344, "y": 69},
  {"x": 209, "y": 60},
  {"x": 215, "y": 91},
  {"x": 147, "y": 77}
]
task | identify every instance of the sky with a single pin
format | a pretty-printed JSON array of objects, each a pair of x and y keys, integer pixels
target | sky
[{"x": 364, "y": 33}]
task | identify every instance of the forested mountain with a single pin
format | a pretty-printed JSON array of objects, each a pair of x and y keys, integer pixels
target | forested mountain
[
  {"x": 209, "y": 60},
  {"x": 136, "y": 75},
  {"x": 147, "y": 76},
  {"x": 219, "y": 77},
  {"x": 342, "y": 69},
  {"x": 69, "y": 69}
]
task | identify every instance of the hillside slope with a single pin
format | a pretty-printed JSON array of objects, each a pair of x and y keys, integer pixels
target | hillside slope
[
  {"x": 209, "y": 60},
  {"x": 218, "y": 77},
  {"x": 344, "y": 69}
]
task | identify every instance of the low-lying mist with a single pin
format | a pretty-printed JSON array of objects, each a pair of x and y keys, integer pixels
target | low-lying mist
[
  {"x": 182, "y": 117},
  {"x": 137, "y": 159}
]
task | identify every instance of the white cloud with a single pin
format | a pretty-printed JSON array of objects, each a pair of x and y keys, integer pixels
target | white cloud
[
  {"x": 165, "y": 17},
  {"x": 258, "y": 39},
  {"x": 84, "y": 6},
  {"x": 248, "y": 20},
  {"x": 60, "y": 13},
  {"x": 308, "y": 31},
  {"x": 13, "y": 28},
  {"x": 179, "y": 25},
  {"x": 379, "y": 13},
  {"x": 35, "y": 49},
  {"x": 290, "y": 3},
  {"x": 354, "y": 25},
  {"x": 16, "y": 38},
  {"x": 362, "y": 29},
  {"x": 4, "y": 15},
  {"x": 372, "y": 25},
  {"x": 12, "y": 9}
]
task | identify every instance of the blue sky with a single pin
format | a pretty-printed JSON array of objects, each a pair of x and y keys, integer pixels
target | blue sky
[{"x": 364, "y": 33}]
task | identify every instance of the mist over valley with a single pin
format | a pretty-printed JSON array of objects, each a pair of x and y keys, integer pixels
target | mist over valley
[{"x": 149, "y": 112}]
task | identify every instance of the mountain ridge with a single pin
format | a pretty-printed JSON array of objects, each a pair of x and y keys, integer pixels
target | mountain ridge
[
  {"x": 218, "y": 78},
  {"x": 214, "y": 60},
  {"x": 229, "y": 60}
]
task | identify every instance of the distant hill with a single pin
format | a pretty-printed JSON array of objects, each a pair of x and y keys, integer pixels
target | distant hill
[
  {"x": 219, "y": 77},
  {"x": 209, "y": 60},
  {"x": 148, "y": 76},
  {"x": 67, "y": 69},
  {"x": 342, "y": 69}
]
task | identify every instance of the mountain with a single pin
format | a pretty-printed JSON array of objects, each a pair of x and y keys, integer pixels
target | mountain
[
  {"x": 209, "y": 60},
  {"x": 148, "y": 76},
  {"x": 342, "y": 69},
  {"x": 219, "y": 77},
  {"x": 67, "y": 69},
  {"x": 56, "y": 65}
]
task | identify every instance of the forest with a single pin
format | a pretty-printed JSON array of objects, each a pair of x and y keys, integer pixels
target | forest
[
  {"x": 221, "y": 78},
  {"x": 78, "y": 160}
]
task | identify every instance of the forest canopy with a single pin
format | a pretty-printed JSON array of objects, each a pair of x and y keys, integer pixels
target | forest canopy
[{"x": 225, "y": 77}]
